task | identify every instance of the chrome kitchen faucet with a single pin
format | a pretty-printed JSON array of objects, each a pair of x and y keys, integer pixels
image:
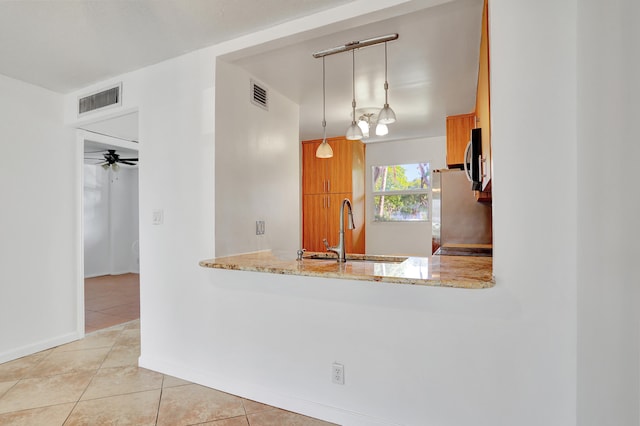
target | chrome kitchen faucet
[{"x": 340, "y": 248}]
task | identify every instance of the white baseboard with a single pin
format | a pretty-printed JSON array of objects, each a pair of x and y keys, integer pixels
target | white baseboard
[
  {"x": 262, "y": 394},
  {"x": 112, "y": 273},
  {"x": 96, "y": 275},
  {"x": 38, "y": 346}
]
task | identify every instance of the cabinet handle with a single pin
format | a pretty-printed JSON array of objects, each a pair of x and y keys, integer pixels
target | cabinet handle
[
  {"x": 467, "y": 169},
  {"x": 328, "y": 185},
  {"x": 481, "y": 165},
  {"x": 328, "y": 202}
]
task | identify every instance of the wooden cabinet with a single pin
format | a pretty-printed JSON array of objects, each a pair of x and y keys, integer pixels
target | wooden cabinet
[
  {"x": 458, "y": 136},
  {"x": 325, "y": 183},
  {"x": 321, "y": 219},
  {"x": 329, "y": 175},
  {"x": 483, "y": 108}
]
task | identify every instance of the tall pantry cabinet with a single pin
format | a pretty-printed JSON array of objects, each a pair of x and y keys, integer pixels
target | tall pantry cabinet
[{"x": 325, "y": 183}]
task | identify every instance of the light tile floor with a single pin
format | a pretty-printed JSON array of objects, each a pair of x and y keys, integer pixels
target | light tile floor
[{"x": 96, "y": 381}]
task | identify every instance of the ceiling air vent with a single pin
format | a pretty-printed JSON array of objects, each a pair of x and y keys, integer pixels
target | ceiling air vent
[
  {"x": 259, "y": 96},
  {"x": 98, "y": 100}
]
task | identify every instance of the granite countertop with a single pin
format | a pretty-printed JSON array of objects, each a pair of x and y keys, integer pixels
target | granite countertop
[{"x": 440, "y": 271}]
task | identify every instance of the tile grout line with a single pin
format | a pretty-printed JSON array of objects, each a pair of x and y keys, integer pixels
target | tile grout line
[
  {"x": 92, "y": 378},
  {"x": 160, "y": 399}
]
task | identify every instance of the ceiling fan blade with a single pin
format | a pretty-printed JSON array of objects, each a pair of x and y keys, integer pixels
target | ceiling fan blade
[
  {"x": 126, "y": 162},
  {"x": 129, "y": 159}
]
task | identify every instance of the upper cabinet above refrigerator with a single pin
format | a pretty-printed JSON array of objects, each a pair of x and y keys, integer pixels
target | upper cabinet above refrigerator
[{"x": 458, "y": 137}]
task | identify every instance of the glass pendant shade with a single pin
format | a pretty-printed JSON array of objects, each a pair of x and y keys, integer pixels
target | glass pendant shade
[
  {"x": 386, "y": 115},
  {"x": 381, "y": 129},
  {"x": 354, "y": 133},
  {"x": 324, "y": 150}
]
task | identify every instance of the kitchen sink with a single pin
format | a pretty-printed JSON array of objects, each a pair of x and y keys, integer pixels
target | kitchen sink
[{"x": 357, "y": 257}]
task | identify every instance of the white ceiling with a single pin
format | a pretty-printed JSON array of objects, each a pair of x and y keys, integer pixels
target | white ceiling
[
  {"x": 432, "y": 71},
  {"x": 64, "y": 45}
]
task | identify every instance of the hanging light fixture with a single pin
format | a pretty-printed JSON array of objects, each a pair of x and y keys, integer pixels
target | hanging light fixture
[
  {"x": 381, "y": 129},
  {"x": 357, "y": 130},
  {"x": 324, "y": 149},
  {"x": 386, "y": 115},
  {"x": 353, "y": 132}
]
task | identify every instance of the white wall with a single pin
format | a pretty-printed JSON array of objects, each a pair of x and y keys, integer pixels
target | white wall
[
  {"x": 38, "y": 222},
  {"x": 412, "y": 355},
  {"x": 110, "y": 221},
  {"x": 96, "y": 221},
  {"x": 401, "y": 238},
  {"x": 608, "y": 230},
  {"x": 257, "y": 168},
  {"x": 124, "y": 221}
]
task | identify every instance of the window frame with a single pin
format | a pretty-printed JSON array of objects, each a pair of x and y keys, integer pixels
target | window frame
[{"x": 400, "y": 192}]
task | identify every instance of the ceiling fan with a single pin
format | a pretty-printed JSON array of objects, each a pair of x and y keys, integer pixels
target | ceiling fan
[{"x": 112, "y": 159}]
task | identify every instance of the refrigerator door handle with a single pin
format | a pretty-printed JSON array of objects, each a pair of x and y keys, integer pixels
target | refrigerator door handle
[{"x": 467, "y": 160}]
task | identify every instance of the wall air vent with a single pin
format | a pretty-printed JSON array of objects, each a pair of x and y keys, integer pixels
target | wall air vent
[
  {"x": 259, "y": 95},
  {"x": 100, "y": 100}
]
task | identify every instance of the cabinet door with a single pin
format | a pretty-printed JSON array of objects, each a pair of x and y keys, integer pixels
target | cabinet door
[
  {"x": 339, "y": 170},
  {"x": 333, "y": 222},
  {"x": 314, "y": 221},
  {"x": 314, "y": 180},
  {"x": 321, "y": 219},
  {"x": 458, "y": 135}
]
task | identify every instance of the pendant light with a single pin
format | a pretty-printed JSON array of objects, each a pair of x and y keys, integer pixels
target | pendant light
[
  {"x": 381, "y": 129},
  {"x": 386, "y": 115},
  {"x": 354, "y": 132},
  {"x": 324, "y": 149}
]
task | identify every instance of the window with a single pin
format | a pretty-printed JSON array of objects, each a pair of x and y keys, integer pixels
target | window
[{"x": 401, "y": 192}]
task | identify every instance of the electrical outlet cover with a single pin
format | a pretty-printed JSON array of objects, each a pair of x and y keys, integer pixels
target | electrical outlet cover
[{"x": 337, "y": 374}]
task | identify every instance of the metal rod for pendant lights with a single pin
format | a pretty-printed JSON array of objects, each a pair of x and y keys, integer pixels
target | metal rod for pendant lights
[
  {"x": 324, "y": 149},
  {"x": 355, "y": 45}
]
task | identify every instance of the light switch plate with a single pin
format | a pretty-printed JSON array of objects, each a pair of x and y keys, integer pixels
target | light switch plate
[{"x": 157, "y": 217}]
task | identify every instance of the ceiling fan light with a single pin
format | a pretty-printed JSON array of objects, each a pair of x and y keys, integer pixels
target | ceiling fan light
[
  {"x": 364, "y": 127},
  {"x": 381, "y": 129},
  {"x": 115, "y": 167},
  {"x": 386, "y": 115}
]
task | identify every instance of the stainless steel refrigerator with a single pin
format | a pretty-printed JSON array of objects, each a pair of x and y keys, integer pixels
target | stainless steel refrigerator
[{"x": 461, "y": 225}]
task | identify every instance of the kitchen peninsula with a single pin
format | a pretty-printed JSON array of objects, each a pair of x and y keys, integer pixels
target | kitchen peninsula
[{"x": 468, "y": 272}]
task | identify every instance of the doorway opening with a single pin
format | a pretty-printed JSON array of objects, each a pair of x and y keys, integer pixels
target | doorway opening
[{"x": 110, "y": 223}]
